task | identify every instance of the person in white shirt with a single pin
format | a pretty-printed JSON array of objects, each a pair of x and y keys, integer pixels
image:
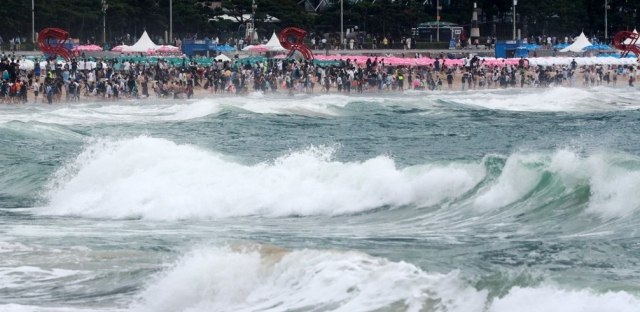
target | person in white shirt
[
  {"x": 76, "y": 94},
  {"x": 36, "y": 90},
  {"x": 109, "y": 90}
]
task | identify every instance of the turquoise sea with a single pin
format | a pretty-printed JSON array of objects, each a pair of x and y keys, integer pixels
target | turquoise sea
[{"x": 483, "y": 201}]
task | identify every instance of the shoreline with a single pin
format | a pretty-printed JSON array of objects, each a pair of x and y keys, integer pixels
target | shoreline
[
  {"x": 201, "y": 94},
  {"x": 112, "y": 81}
]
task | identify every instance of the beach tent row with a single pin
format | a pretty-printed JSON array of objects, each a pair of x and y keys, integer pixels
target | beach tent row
[
  {"x": 273, "y": 45},
  {"x": 628, "y": 41},
  {"x": 425, "y": 61},
  {"x": 28, "y": 64},
  {"x": 145, "y": 45},
  {"x": 582, "y": 43}
]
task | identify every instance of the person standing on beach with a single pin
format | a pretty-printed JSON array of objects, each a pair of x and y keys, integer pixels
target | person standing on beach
[
  {"x": 145, "y": 88},
  {"x": 109, "y": 90},
  {"x": 37, "y": 70},
  {"x": 74, "y": 88},
  {"x": 23, "y": 92},
  {"x": 36, "y": 90},
  {"x": 400, "y": 80},
  {"x": 463, "y": 80},
  {"x": 49, "y": 91}
]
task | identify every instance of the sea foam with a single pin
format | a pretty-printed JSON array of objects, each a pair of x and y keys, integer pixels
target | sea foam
[
  {"x": 158, "y": 179},
  {"x": 554, "y": 299},
  {"x": 263, "y": 278},
  {"x": 268, "y": 278}
]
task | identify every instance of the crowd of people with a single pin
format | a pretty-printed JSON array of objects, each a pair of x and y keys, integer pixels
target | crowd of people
[
  {"x": 375, "y": 75},
  {"x": 105, "y": 79},
  {"x": 115, "y": 79},
  {"x": 477, "y": 75}
]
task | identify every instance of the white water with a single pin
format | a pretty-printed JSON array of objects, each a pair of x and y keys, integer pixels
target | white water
[
  {"x": 554, "y": 299},
  {"x": 558, "y": 99},
  {"x": 262, "y": 278},
  {"x": 318, "y": 104},
  {"x": 267, "y": 278},
  {"x": 22, "y": 276},
  {"x": 158, "y": 179},
  {"x": 270, "y": 279}
]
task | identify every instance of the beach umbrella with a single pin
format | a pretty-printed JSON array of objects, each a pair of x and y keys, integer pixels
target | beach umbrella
[
  {"x": 90, "y": 47},
  {"x": 167, "y": 48},
  {"x": 222, "y": 58},
  {"x": 27, "y": 65},
  {"x": 118, "y": 48},
  {"x": 257, "y": 48}
]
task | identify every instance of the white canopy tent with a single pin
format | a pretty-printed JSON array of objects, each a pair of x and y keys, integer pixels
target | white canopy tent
[
  {"x": 628, "y": 41},
  {"x": 274, "y": 44},
  {"x": 580, "y": 43},
  {"x": 144, "y": 44}
]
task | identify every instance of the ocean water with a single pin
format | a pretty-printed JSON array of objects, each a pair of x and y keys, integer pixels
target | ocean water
[{"x": 486, "y": 201}]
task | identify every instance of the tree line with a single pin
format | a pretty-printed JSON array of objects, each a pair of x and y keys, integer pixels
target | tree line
[{"x": 394, "y": 19}]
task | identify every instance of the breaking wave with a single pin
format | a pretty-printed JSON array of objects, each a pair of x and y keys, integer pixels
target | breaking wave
[
  {"x": 267, "y": 278},
  {"x": 155, "y": 178}
]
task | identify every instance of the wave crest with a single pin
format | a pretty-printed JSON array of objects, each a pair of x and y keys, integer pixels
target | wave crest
[
  {"x": 158, "y": 179},
  {"x": 263, "y": 278}
]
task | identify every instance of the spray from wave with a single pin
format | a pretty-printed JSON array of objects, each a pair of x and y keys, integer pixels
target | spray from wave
[
  {"x": 264, "y": 278},
  {"x": 558, "y": 99},
  {"x": 267, "y": 278},
  {"x": 157, "y": 179},
  {"x": 144, "y": 111}
]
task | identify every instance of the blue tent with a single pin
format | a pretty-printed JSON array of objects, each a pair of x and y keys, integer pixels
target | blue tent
[
  {"x": 533, "y": 47},
  {"x": 225, "y": 48},
  {"x": 560, "y": 46},
  {"x": 597, "y": 47},
  {"x": 616, "y": 55}
]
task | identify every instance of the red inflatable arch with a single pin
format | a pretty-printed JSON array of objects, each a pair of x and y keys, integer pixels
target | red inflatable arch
[
  {"x": 619, "y": 43},
  {"x": 292, "y": 39},
  {"x": 46, "y": 35}
]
